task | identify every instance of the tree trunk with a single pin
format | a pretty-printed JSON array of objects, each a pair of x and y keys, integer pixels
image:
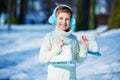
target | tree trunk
[
  {"x": 79, "y": 17},
  {"x": 23, "y": 10},
  {"x": 82, "y": 19},
  {"x": 92, "y": 21},
  {"x": 114, "y": 21},
  {"x": 9, "y": 14}
]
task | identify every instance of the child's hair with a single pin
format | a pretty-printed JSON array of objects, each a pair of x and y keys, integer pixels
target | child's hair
[{"x": 63, "y": 9}]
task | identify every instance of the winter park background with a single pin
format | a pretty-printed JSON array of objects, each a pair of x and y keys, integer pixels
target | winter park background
[{"x": 19, "y": 50}]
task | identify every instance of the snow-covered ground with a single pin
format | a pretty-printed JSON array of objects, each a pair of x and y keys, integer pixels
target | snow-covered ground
[{"x": 19, "y": 49}]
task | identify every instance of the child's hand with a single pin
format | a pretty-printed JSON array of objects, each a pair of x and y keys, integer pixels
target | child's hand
[
  {"x": 60, "y": 43},
  {"x": 84, "y": 40}
]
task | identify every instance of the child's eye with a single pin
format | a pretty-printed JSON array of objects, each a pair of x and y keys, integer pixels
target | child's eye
[
  {"x": 67, "y": 19},
  {"x": 60, "y": 18}
]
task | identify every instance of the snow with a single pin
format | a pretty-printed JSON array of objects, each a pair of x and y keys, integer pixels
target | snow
[{"x": 19, "y": 49}]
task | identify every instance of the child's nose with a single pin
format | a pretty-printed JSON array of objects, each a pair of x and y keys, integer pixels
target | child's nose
[{"x": 64, "y": 20}]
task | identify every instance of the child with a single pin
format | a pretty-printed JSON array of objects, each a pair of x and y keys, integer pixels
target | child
[{"x": 60, "y": 48}]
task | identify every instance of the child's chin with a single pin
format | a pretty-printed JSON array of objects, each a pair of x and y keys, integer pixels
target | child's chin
[{"x": 64, "y": 28}]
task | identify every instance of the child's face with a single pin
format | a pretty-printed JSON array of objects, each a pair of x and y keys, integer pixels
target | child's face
[{"x": 63, "y": 20}]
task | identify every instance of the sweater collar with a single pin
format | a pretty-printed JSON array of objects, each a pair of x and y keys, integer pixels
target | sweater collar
[{"x": 62, "y": 33}]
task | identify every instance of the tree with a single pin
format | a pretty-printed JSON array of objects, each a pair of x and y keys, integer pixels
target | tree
[
  {"x": 79, "y": 17},
  {"x": 92, "y": 19},
  {"x": 82, "y": 18},
  {"x": 11, "y": 11},
  {"x": 114, "y": 21},
  {"x": 9, "y": 14},
  {"x": 23, "y": 10}
]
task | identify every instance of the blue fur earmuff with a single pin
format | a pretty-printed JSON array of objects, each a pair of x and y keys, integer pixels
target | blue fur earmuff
[{"x": 52, "y": 18}]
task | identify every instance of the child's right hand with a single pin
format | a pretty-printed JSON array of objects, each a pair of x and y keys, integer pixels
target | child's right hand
[{"x": 60, "y": 43}]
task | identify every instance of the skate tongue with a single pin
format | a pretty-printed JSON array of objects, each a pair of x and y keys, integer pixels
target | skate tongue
[{"x": 94, "y": 53}]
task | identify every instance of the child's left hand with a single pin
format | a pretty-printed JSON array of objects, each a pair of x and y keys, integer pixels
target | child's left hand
[{"x": 84, "y": 40}]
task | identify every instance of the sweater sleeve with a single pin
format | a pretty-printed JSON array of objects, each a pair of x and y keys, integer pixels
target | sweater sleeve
[
  {"x": 80, "y": 52},
  {"x": 47, "y": 51}
]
